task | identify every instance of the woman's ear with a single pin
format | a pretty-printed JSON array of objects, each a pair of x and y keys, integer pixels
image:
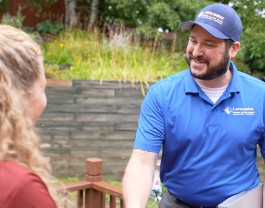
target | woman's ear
[
  {"x": 24, "y": 94},
  {"x": 234, "y": 49}
]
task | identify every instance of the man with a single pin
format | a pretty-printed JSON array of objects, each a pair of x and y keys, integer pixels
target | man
[{"x": 208, "y": 120}]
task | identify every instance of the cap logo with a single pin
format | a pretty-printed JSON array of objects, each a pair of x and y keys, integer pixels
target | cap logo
[{"x": 212, "y": 16}]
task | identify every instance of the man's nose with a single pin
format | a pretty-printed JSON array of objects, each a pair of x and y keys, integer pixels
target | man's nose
[{"x": 197, "y": 50}]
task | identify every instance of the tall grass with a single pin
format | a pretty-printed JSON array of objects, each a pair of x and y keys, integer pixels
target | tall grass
[{"x": 78, "y": 54}]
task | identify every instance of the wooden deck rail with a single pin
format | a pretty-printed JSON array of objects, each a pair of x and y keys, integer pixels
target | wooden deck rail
[{"x": 93, "y": 192}]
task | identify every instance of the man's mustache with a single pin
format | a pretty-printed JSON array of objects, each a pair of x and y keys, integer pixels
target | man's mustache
[{"x": 198, "y": 58}]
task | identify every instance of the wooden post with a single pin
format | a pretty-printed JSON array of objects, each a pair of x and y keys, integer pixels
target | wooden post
[{"x": 93, "y": 198}]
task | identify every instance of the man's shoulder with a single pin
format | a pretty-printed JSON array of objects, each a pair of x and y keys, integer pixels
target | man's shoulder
[
  {"x": 251, "y": 80},
  {"x": 168, "y": 81}
]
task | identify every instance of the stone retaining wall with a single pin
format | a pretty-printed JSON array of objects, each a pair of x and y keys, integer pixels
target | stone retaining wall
[{"x": 89, "y": 119}]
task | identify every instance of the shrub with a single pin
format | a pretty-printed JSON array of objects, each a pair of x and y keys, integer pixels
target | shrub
[
  {"x": 15, "y": 21},
  {"x": 49, "y": 27}
]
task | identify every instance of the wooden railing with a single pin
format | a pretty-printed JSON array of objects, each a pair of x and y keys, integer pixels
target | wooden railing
[{"x": 93, "y": 192}]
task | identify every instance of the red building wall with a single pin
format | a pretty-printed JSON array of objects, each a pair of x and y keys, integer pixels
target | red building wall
[{"x": 55, "y": 12}]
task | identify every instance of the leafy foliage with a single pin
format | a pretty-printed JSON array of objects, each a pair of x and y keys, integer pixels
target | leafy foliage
[
  {"x": 3, "y": 5},
  {"x": 15, "y": 21},
  {"x": 253, "y": 36},
  {"x": 49, "y": 27},
  {"x": 166, "y": 14},
  {"x": 128, "y": 13},
  {"x": 147, "y": 16}
]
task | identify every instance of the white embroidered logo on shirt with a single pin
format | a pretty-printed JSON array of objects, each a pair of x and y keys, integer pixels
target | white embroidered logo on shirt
[{"x": 236, "y": 111}]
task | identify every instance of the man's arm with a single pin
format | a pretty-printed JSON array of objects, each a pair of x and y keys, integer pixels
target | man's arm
[{"x": 138, "y": 178}]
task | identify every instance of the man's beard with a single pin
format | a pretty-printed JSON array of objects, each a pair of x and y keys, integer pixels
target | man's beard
[{"x": 212, "y": 72}]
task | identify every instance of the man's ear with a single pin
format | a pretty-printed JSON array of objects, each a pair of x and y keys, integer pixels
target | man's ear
[{"x": 234, "y": 49}]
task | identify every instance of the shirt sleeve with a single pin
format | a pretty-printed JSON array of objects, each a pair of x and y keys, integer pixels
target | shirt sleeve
[
  {"x": 151, "y": 131},
  {"x": 262, "y": 145},
  {"x": 261, "y": 141},
  {"x": 33, "y": 193}
]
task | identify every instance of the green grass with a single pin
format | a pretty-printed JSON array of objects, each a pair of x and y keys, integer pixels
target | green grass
[{"x": 85, "y": 55}]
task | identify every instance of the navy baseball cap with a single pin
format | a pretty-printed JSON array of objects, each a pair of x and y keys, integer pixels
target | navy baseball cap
[{"x": 220, "y": 20}]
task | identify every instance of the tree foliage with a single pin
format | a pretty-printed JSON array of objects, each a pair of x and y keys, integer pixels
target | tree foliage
[
  {"x": 3, "y": 5},
  {"x": 252, "y": 14},
  {"x": 147, "y": 16},
  {"x": 165, "y": 14}
]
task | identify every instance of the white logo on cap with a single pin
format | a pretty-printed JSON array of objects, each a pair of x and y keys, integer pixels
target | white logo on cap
[{"x": 212, "y": 16}]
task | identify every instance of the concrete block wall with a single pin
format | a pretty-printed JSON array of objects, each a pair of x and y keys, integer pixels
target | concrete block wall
[{"x": 87, "y": 118}]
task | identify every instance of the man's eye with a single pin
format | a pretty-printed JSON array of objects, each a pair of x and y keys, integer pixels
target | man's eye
[
  {"x": 209, "y": 45},
  {"x": 193, "y": 41}
]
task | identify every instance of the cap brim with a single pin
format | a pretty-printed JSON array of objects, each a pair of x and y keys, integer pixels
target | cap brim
[
  {"x": 212, "y": 30},
  {"x": 187, "y": 25}
]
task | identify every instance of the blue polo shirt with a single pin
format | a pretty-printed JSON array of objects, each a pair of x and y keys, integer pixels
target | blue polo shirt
[{"x": 208, "y": 150}]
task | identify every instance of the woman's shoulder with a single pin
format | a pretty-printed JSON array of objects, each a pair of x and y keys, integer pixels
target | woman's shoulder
[
  {"x": 19, "y": 184},
  {"x": 13, "y": 173}
]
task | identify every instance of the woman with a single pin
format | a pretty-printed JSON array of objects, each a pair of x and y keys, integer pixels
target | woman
[{"x": 24, "y": 171}]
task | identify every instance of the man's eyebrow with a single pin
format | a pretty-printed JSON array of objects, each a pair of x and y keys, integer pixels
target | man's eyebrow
[
  {"x": 206, "y": 40},
  {"x": 213, "y": 41},
  {"x": 209, "y": 40}
]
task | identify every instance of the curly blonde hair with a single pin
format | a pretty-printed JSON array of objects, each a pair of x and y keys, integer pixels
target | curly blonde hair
[{"x": 20, "y": 68}]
